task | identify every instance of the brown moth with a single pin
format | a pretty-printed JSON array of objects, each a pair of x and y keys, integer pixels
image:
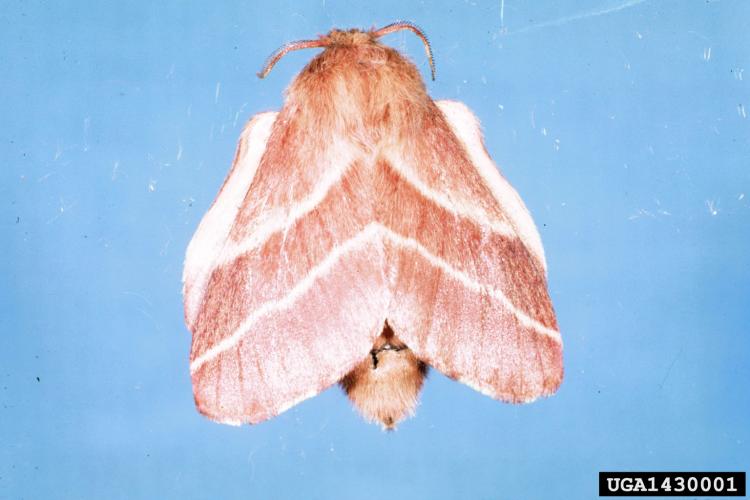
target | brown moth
[{"x": 362, "y": 235}]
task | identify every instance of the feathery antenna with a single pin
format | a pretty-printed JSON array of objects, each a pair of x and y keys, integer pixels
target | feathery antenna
[
  {"x": 324, "y": 42},
  {"x": 406, "y": 25},
  {"x": 286, "y": 48}
]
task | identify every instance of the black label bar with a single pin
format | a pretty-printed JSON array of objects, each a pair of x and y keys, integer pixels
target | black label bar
[{"x": 671, "y": 484}]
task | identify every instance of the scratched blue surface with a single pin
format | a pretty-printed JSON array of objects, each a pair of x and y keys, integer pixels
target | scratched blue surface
[{"x": 623, "y": 124}]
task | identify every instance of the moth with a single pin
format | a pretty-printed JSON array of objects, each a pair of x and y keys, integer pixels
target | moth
[{"x": 362, "y": 235}]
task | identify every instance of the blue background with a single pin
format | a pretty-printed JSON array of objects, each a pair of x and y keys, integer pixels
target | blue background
[{"x": 623, "y": 124}]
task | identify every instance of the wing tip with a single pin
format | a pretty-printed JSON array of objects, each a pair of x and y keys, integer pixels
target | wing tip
[
  {"x": 517, "y": 390},
  {"x": 227, "y": 416},
  {"x": 242, "y": 413}
]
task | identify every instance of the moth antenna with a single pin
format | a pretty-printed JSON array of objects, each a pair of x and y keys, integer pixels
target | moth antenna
[
  {"x": 406, "y": 25},
  {"x": 288, "y": 47}
]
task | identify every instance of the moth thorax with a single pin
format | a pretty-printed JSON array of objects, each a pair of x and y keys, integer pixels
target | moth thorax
[
  {"x": 349, "y": 37},
  {"x": 384, "y": 387}
]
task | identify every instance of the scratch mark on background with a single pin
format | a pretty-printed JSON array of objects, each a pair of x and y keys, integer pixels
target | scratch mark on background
[
  {"x": 63, "y": 207},
  {"x": 86, "y": 127},
  {"x": 140, "y": 296},
  {"x": 46, "y": 176},
  {"x": 237, "y": 114},
  {"x": 502, "y": 15},
  {"x": 577, "y": 17},
  {"x": 165, "y": 247},
  {"x": 669, "y": 370},
  {"x": 713, "y": 207},
  {"x": 149, "y": 316},
  {"x": 642, "y": 212},
  {"x": 251, "y": 461}
]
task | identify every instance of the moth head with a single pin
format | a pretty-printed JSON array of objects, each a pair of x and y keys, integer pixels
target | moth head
[{"x": 349, "y": 37}]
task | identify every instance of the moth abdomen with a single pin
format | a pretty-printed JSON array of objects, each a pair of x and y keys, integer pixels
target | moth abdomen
[{"x": 384, "y": 386}]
